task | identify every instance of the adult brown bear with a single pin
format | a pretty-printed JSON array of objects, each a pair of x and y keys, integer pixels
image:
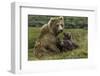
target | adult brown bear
[{"x": 47, "y": 41}]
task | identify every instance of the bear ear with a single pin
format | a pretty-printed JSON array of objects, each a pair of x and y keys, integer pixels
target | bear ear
[
  {"x": 69, "y": 35},
  {"x": 61, "y": 17},
  {"x": 51, "y": 21}
]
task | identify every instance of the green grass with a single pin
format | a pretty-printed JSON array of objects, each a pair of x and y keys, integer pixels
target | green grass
[{"x": 78, "y": 35}]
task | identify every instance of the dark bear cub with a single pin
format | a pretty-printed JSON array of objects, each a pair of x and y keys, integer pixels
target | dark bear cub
[{"x": 66, "y": 44}]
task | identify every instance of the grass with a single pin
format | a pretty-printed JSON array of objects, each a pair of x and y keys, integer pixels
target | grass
[{"x": 78, "y": 35}]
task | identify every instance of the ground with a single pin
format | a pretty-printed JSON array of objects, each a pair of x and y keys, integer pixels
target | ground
[{"x": 78, "y": 35}]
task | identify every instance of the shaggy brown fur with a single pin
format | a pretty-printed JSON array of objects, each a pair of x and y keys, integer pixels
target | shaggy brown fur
[{"x": 47, "y": 41}]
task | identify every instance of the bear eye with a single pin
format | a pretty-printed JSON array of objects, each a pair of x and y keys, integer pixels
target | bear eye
[
  {"x": 57, "y": 25},
  {"x": 62, "y": 25}
]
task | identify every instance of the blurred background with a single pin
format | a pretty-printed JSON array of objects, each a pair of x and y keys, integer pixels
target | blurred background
[{"x": 70, "y": 21}]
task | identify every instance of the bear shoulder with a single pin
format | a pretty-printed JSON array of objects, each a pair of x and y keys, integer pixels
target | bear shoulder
[{"x": 43, "y": 30}]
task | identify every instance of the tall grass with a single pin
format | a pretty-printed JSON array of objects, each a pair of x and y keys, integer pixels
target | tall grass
[{"x": 79, "y": 36}]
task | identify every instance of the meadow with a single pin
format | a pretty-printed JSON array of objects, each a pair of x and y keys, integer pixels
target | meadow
[{"x": 79, "y": 36}]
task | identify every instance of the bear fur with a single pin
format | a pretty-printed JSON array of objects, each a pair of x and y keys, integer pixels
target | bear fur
[
  {"x": 68, "y": 43},
  {"x": 48, "y": 38}
]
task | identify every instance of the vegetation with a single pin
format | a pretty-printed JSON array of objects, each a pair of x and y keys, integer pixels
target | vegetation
[
  {"x": 78, "y": 35},
  {"x": 77, "y": 26},
  {"x": 70, "y": 21}
]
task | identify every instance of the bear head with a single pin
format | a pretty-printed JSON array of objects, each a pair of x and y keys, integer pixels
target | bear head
[
  {"x": 56, "y": 25},
  {"x": 67, "y": 36}
]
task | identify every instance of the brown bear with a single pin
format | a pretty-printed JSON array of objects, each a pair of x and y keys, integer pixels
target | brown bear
[{"x": 47, "y": 41}]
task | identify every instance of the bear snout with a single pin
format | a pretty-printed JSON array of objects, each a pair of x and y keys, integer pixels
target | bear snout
[
  {"x": 61, "y": 30},
  {"x": 60, "y": 27}
]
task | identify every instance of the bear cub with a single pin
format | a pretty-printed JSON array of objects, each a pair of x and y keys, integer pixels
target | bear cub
[{"x": 67, "y": 43}]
